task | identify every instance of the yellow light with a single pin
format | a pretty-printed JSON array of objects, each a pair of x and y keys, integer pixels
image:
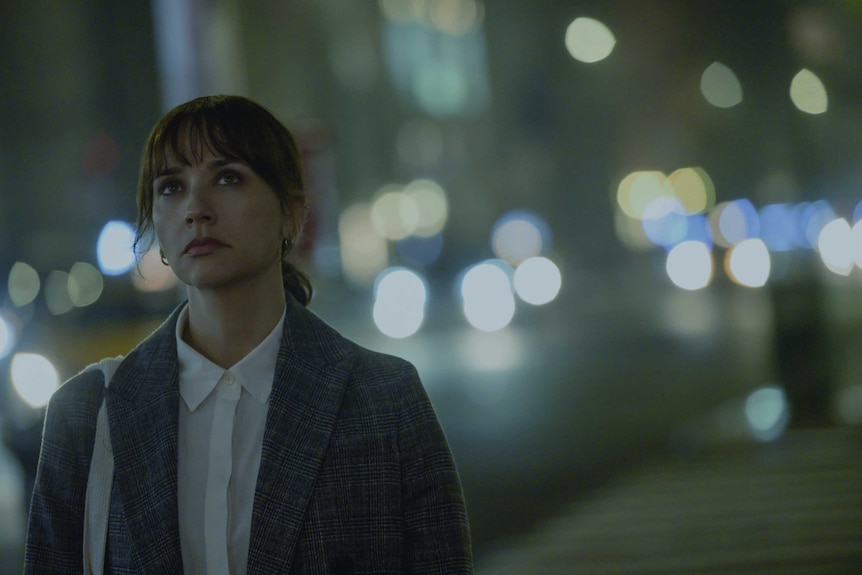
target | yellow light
[
  {"x": 589, "y": 41},
  {"x": 454, "y": 17},
  {"x": 364, "y": 252},
  {"x": 431, "y": 206},
  {"x": 808, "y": 93},
  {"x": 639, "y": 189},
  {"x": 394, "y": 214},
  {"x": 694, "y": 189}
]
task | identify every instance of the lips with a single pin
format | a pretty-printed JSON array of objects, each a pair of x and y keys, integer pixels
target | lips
[{"x": 202, "y": 246}]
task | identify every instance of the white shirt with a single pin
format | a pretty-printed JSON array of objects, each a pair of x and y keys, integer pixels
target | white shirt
[{"x": 221, "y": 422}]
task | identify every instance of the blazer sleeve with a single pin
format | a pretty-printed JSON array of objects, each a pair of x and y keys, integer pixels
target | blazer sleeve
[
  {"x": 437, "y": 532},
  {"x": 56, "y": 523}
]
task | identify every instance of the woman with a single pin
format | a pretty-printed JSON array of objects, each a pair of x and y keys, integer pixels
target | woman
[{"x": 247, "y": 435}]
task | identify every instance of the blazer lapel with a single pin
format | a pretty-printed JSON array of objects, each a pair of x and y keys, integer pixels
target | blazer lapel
[
  {"x": 143, "y": 411},
  {"x": 307, "y": 392}
]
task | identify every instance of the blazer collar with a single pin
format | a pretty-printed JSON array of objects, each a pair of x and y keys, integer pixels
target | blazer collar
[
  {"x": 143, "y": 405},
  {"x": 310, "y": 378}
]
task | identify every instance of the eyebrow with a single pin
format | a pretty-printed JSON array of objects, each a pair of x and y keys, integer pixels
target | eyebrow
[{"x": 214, "y": 163}]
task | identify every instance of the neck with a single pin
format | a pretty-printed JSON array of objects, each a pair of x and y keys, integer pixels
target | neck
[{"x": 225, "y": 324}]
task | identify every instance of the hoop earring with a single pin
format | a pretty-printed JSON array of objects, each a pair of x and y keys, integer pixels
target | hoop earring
[{"x": 163, "y": 258}]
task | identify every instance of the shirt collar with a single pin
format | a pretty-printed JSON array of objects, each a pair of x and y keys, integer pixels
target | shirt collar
[{"x": 199, "y": 375}]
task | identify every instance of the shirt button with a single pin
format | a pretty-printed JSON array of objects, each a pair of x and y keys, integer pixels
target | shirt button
[{"x": 228, "y": 379}]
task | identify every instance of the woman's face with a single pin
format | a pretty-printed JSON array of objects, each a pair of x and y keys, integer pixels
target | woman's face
[{"x": 217, "y": 221}]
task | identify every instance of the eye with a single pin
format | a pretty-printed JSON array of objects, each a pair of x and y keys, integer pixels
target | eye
[
  {"x": 167, "y": 187},
  {"x": 229, "y": 178}
]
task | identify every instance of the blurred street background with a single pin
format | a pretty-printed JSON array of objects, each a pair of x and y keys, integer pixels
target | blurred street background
[{"x": 619, "y": 239}]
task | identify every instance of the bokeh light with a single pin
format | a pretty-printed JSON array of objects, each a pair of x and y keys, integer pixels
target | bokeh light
[
  {"x": 487, "y": 295},
  {"x": 813, "y": 217},
  {"x": 114, "y": 251},
  {"x": 748, "y": 263},
  {"x": 720, "y": 86},
  {"x": 420, "y": 251},
  {"x": 767, "y": 412},
  {"x": 518, "y": 235},
  {"x": 834, "y": 245},
  {"x": 732, "y": 222},
  {"x": 23, "y": 284},
  {"x": 400, "y": 295},
  {"x": 455, "y": 17},
  {"x": 493, "y": 351},
  {"x": 665, "y": 222},
  {"x": 856, "y": 243},
  {"x": 694, "y": 189},
  {"x": 537, "y": 280},
  {"x": 57, "y": 298},
  {"x": 364, "y": 253},
  {"x": 431, "y": 204},
  {"x": 8, "y": 335},
  {"x": 808, "y": 93},
  {"x": 589, "y": 40},
  {"x": 689, "y": 265},
  {"x": 85, "y": 284},
  {"x": 34, "y": 378},
  {"x": 394, "y": 214},
  {"x": 640, "y": 189},
  {"x": 779, "y": 227}
]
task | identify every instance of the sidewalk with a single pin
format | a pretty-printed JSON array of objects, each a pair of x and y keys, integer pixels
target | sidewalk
[{"x": 793, "y": 506}]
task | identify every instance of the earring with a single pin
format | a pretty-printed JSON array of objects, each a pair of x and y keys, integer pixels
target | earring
[{"x": 163, "y": 258}]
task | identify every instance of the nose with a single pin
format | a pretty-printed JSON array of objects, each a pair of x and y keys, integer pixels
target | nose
[{"x": 198, "y": 208}]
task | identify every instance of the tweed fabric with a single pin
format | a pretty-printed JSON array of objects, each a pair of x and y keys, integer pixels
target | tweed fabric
[{"x": 356, "y": 475}]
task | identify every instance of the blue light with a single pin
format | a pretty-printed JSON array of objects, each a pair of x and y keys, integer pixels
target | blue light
[{"x": 420, "y": 251}]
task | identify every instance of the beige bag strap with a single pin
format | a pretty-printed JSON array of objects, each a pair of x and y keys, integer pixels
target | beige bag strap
[{"x": 98, "y": 499}]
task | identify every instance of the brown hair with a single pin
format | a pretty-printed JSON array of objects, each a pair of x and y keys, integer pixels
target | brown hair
[{"x": 233, "y": 127}]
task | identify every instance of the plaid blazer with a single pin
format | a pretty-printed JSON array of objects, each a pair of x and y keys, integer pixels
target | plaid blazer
[{"x": 355, "y": 474}]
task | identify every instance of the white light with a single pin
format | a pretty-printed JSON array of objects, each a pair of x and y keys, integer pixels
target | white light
[
  {"x": 537, "y": 280},
  {"x": 856, "y": 243},
  {"x": 689, "y": 265},
  {"x": 518, "y": 235},
  {"x": 835, "y": 246},
  {"x": 767, "y": 412},
  {"x": 7, "y": 337},
  {"x": 399, "y": 305},
  {"x": 489, "y": 303},
  {"x": 749, "y": 263},
  {"x": 34, "y": 378},
  {"x": 588, "y": 40},
  {"x": 114, "y": 248}
]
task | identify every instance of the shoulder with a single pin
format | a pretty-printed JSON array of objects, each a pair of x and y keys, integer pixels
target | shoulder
[{"x": 80, "y": 394}]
